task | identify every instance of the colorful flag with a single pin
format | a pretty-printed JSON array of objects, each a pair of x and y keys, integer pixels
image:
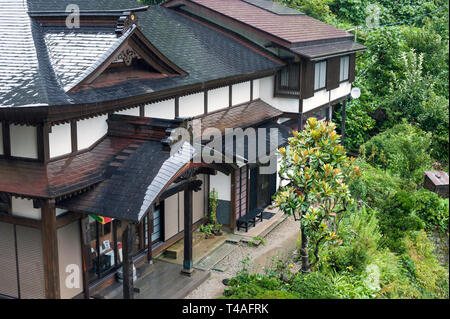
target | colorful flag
[{"x": 102, "y": 220}]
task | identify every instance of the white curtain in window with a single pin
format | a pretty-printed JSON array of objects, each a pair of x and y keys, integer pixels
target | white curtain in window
[
  {"x": 345, "y": 65},
  {"x": 320, "y": 75}
]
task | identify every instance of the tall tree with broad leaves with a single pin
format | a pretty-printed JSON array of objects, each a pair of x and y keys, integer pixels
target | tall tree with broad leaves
[{"x": 315, "y": 172}]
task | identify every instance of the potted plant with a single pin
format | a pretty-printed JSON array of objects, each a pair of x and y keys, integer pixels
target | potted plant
[{"x": 208, "y": 230}]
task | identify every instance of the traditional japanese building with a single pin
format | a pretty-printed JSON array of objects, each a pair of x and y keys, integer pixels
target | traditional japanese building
[{"x": 91, "y": 175}]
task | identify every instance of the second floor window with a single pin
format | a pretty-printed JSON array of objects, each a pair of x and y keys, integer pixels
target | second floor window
[
  {"x": 287, "y": 80},
  {"x": 345, "y": 65},
  {"x": 320, "y": 75}
]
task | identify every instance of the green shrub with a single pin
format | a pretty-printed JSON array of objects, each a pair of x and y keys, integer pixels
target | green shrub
[
  {"x": 360, "y": 234},
  {"x": 277, "y": 294},
  {"x": 314, "y": 286},
  {"x": 432, "y": 209},
  {"x": 350, "y": 286},
  {"x": 397, "y": 219},
  {"x": 431, "y": 278},
  {"x": 403, "y": 150},
  {"x": 375, "y": 185},
  {"x": 394, "y": 280}
]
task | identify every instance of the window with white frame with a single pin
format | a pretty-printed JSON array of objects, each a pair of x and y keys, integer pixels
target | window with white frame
[
  {"x": 345, "y": 66},
  {"x": 320, "y": 75}
]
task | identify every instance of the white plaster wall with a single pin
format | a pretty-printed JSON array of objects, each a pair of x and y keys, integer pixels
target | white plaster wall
[
  {"x": 24, "y": 141},
  {"x": 320, "y": 98},
  {"x": 222, "y": 184},
  {"x": 60, "y": 142},
  {"x": 344, "y": 89},
  {"x": 266, "y": 92},
  {"x": 24, "y": 208},
  {"x": 256, "y": 85},
  {"x": 133, "y": 111},
  {"x": 218, "y": 99},
  {"x": 241, "y": 93},
  {"x": 192, "y": 105},
  {"x": 91, "y": 130},
  {"x": 161, "y": 110},
  {"x": 1, "y": 139}
]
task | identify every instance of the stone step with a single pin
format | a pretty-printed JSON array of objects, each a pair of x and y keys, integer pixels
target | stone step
[
  {"x": 215, "y": 257},
  {"x": 176, "y": 250},
  {"x": 234, "y": 239}
]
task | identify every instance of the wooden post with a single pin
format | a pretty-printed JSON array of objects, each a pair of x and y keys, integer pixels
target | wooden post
[
  {"x": 50, "y": 250},
  {"x": 344, "y": 107},
  {"x": 188, "y": 263},
  {"x": 127, "y": 265}
]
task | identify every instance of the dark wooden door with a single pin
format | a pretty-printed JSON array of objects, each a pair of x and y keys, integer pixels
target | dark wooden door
[{"x": 262, "y": 188}]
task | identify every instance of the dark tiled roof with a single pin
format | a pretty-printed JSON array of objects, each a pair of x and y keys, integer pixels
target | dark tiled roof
[
  {"x": 34, "y": 60},
  {"x": 75, "y": 53},
  {"x": 135, "y": 183},
  {"x": 62, "y": 176},
  {"x": 85, "y": 5},
  {"x": 275, "y": 135},
  {"x": 244, "y": 115},
  {"x": 290, "y": 28},
  {"x": 328, "y": 49}
]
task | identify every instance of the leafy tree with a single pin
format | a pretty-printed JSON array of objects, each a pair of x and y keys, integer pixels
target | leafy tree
[{"x": 317, "y": 170}]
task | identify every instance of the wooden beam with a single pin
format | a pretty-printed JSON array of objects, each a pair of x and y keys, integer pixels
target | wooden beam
[
  {"x": 206, "y": 102},
  {"x": 230, "y": 97},
  {"x": 6, "y": 139},
  {"x": 127, "y": 265},
  {"x": 177, "y": 107},
  {"x": 10, "y": 219},
  {"x": 251, "y": 90},
  {"x": 187, "y": 262},
  {"x": 50, "y": 250},
  {"x": 43, "y": 131},
  {"x": 67, "y": 218},
  {"x": 74, "y": 136}
]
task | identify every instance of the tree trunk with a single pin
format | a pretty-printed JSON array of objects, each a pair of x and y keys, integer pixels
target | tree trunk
[{"x": 304, "y": 252}]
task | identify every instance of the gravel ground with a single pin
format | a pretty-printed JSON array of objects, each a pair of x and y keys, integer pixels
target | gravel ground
[{"x": 279, "y": 242}]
